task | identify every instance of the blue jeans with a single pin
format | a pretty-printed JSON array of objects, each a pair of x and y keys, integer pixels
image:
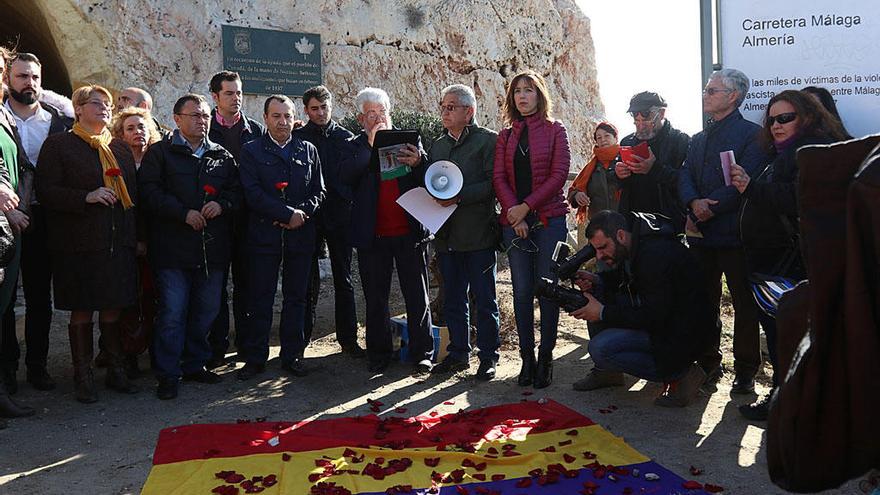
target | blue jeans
[
  {"x": 188, "y": 305},
  {"x": 530, "y": 259},
  {"x": 474, "y": 270},
  {"x": 627, "y": 351}
]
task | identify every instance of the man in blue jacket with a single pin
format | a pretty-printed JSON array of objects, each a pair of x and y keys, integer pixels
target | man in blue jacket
[
  {"x": 712, "y": 228},
  {"x": 190, "y": 190},
  {"x": 231, "y": 128},
  {"x": 387, "y": 237},
  {"x": 332, "y": 219},
  {"x": 281, "y": 177}
]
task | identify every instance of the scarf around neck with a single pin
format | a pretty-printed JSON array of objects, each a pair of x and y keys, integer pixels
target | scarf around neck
[{"x": 112, "y": 174}]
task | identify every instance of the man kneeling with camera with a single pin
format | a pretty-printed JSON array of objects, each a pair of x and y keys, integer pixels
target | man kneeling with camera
[{"x": 653, "y": 320}]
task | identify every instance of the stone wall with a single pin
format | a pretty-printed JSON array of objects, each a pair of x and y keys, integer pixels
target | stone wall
[{"x": 410, "y": 48}]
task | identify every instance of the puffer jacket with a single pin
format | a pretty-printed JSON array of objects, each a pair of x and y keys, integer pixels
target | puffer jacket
[{"x": 550, "y": 159}]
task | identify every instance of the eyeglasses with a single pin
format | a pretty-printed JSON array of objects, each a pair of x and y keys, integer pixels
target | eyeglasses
[
  {"x": 449, "y": 108},
  {"x": 100, "y": 104},
  {"x": 645, "y": 114},
  {"x": 376, "y": 115},
  {"x": 712, "y": 91},
  {"x": 196, "y": 116},
  {"x": 782, "y": 118}
]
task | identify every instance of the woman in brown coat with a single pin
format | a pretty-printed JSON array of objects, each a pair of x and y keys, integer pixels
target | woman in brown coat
[{"x": 86, "y": 182}]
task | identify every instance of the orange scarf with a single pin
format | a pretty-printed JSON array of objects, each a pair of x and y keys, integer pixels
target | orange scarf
[
  {"x": 604, "y": 156},
  {"x": 110, "y": 168}
]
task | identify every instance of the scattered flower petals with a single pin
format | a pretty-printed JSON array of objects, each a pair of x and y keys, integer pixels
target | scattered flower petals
[{"x": 691, "y": 485}]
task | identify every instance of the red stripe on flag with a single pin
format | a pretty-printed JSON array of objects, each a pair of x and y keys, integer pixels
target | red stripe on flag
[{"x": 190, "y": 442}]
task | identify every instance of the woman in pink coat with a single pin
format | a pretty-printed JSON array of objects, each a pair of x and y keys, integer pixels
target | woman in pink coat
[{"x": 531, "y": 166}]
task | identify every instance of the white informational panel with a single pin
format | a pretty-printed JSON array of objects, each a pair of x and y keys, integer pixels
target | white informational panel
[{"x": 789, "y": 44}]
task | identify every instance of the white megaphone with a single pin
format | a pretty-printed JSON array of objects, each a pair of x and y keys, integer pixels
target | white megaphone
[{"x": 443, "y": 180}]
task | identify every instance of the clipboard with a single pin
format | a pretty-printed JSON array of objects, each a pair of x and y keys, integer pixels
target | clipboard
[{"x": 385, "y": 146}]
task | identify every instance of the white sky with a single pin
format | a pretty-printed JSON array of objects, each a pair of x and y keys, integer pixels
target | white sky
[{"x": 648, "y": 45}]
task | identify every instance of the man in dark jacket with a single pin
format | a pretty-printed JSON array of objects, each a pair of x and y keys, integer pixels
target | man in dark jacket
[
  {"x": 332, "y": 218},
  {"x": 650, "y": 184},
  {"x": 189, "y": 188},
  {"x": 712, "y": 205},
  {"x": 655, "y": 322},
  {"x": 231, "y": 129},
  {"x": 387, "y": 237},
  {"x": 35, "y": 121},
  {"x": 281, "y": 178},
  {"x": 466, "y": 243}
]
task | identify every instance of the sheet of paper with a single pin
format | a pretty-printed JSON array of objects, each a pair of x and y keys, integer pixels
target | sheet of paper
[{"x": 418, "y": 203}]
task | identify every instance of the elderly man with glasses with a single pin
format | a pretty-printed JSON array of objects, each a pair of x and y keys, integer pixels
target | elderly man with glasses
[
  {"x": 466, "y": 243},
  {"x": 387, "y": 237},
  {"x": 713, "y": 204},
  {"x": 649, "y": 184}
]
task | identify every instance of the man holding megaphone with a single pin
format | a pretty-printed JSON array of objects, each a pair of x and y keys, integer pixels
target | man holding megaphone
[{"x": 466, "y": 243}]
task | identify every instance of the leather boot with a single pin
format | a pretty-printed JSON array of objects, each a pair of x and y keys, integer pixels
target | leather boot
[
  {"x": 544, "y": 371},
  {"x": 81, "y": 349},
  {"x": 9, "y": 409},
  {"x": 117, "y": 379},
  {"x": 527, "y": 372}
]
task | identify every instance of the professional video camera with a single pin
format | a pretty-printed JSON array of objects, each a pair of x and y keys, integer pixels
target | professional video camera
[{"x": 565, "y": 267}]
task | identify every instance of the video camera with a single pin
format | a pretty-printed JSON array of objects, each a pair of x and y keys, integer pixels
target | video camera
[{"x": 565, "y": 267}]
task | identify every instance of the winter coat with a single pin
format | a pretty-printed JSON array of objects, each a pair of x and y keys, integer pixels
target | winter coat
[
  {"x": 550, "y": 160},
  {"x": 657, "y": 191},
  {"x": 360, "y": 170},
  {"x": 263, "y": 166},
  {"x": 172, "y": 181},
  {"x": 702, "y": 177},
  {"x": 473, "y": 225},
  {"x": 335, "y": 210}
]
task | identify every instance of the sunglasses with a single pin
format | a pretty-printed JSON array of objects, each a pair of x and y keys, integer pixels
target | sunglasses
[
  {"x": 645, "y": 114},
  {"x": 782, "y": 118},
  {"x": 712, "y": 91}
]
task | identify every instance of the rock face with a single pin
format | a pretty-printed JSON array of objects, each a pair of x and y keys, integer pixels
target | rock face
[{"x": 412, "y": 49}]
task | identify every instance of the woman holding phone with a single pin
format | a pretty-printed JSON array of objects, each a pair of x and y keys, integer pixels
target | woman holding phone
[{"x": 532, "y": 160}]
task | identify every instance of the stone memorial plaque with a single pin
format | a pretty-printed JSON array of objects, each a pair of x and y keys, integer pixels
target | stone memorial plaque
[{"x": 271, "y": 62}]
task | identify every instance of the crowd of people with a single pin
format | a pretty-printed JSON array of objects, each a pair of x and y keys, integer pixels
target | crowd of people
[{"x": 114, "y": 214}]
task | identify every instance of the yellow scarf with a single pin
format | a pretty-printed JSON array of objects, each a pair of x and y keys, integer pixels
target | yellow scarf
[{"x": 112, "y": 180}]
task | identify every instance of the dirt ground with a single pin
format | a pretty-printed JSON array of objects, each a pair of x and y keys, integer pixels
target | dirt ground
[{"x": 106, "y": 448}]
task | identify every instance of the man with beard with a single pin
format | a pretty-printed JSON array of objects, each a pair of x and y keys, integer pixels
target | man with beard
[
  {"x": 332, "y": 219},
  {"x": 650, "y": 184},
  {"x": 653, "y": 322},
  {"x": 35, "y": 121}
]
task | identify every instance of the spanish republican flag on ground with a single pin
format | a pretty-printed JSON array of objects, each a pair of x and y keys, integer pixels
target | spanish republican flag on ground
[{"x": 514, "y": 449}]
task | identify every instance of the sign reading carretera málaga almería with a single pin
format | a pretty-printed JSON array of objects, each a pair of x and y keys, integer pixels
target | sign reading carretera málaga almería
[
  {"x": 272, "y": 62},
  {"x": 790, "y": 44}
]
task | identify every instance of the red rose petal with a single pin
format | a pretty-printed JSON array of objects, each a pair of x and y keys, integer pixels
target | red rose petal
[
  {"x": 480, "y": 467},
  {"x": 569, "y": 458},
  {"x": 461, "y": 490},
  {"x": 498, "y": 477},
  {"x": 564, "y": 443},
  {"x": 400, "y": 410},
  {"x": 712, "y": 488},
  {"x": 479, "y": 476},
  {"x": 549, "y": 449},
  {"x": 524, "y": 483},
  {"x": 691, "y": 485},
  {"x": 492, "y": 450},
  {"x": 695, "y": 471},
  {"x": 572, "y": 433},
  {"x": 432, "y": 461}
]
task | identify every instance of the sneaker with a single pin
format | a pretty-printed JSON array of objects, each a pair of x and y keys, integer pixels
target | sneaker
[
  {"x": 203, "y": 376},
  {"x": 713, "y": 376},
  {"x": 167, "y": 389},
  {"x": 683, "y": 391},
  {"x": 249, "y": 371},
  {"x": 423, "y": 366},
  {"x": 215, "y": 362},
  {"x": 758, "y": 410},
  {"x": 354, "y": 350},
  {"x": 486, "y": 371},
  {"x": 597, "y": 379},
  {"x": 296, "y": 367},
  {"x": 449, "y": 365}
]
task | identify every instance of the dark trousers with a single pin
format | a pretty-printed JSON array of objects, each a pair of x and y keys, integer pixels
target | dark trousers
[
  {"x": 376, "y": 265},
  {"x": 340, "y": 251},
  {"x": 218, "y": 336},
  {"x": 263, "y": 283},
  {"x": 746, "y": 336},
  {"x": 36, "y": 279}
]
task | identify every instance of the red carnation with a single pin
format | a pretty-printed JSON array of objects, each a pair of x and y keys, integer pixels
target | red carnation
[
  {"x": 208, "y": 188},
  {"x": 113, "y": 172},
  {"x": 281, "y": 185}
]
